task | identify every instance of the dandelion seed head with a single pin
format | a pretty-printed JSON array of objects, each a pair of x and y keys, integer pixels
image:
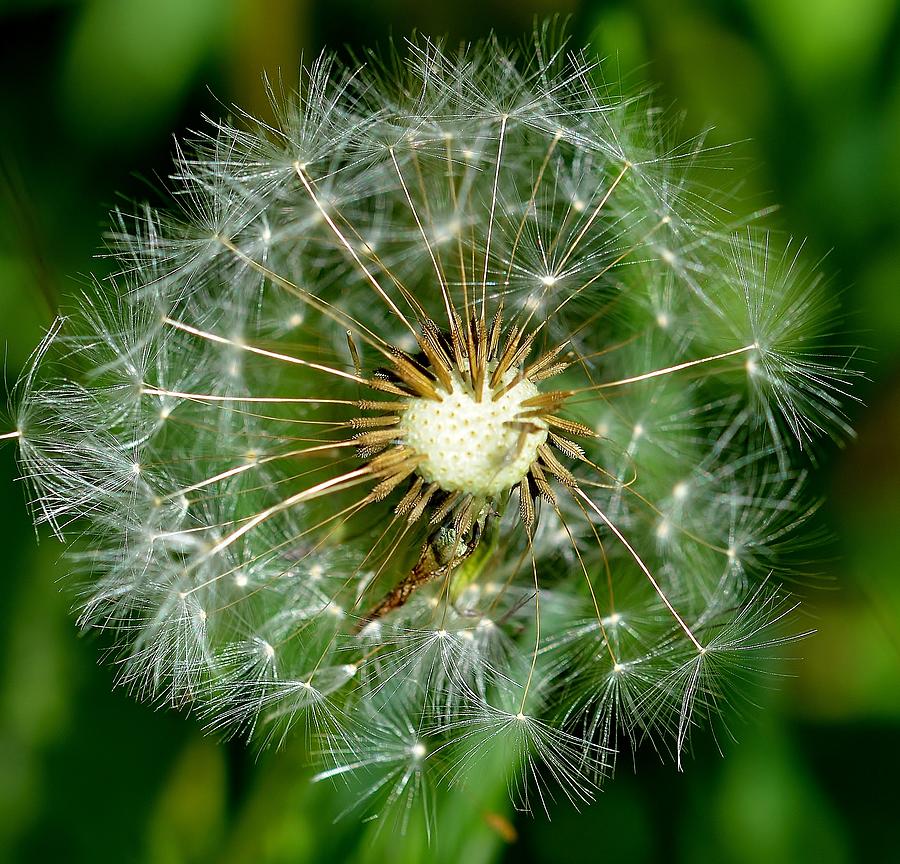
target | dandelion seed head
[{"x": 444, "y": 421}]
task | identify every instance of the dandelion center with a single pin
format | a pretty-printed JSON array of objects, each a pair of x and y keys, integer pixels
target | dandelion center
[{"x": 479, "y": 446}]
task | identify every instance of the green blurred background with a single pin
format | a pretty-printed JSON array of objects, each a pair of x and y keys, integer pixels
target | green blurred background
[{"x": 90, "y": 95}]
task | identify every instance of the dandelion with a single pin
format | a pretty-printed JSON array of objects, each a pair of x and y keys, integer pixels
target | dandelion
[{"x": 445, "y": 417}]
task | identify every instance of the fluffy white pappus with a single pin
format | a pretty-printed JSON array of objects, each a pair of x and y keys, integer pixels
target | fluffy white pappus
[
  {"x": 242, "y": 428},
  {"x": 545, "y": 761},
  {"x": 390, "y": 766}
]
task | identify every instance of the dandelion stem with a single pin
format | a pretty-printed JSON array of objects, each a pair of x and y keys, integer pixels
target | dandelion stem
[
  {"x": 448, "y": 303},
  {"x": 8, "y": 436},
  {"x": 587, "y": 579},
  {"x": 348, "y": 246},
  {"x": 537, "y": 623},
  {"x": 639, "y": 561},
  {"x": 351, "y": 509},
  {"x": 316, "y": 303},
  {"x": 210, "y": 397},
  {"x": 656, "y": 373},
  {"x": 351, "y": 478},
  {"x": 240, "y": 469},
  {"x": 490, "y": 229},
  {"x": 286, "y": 358},
  {"x": 531, "y": 200},
  {"x": 593, "y": 216}
]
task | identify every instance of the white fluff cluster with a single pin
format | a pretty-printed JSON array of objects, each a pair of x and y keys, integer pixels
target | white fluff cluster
[{"x": 232, "y": 427}]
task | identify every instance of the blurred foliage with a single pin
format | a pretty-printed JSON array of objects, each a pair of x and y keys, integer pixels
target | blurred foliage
[{"x": 92, "y": 92}]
